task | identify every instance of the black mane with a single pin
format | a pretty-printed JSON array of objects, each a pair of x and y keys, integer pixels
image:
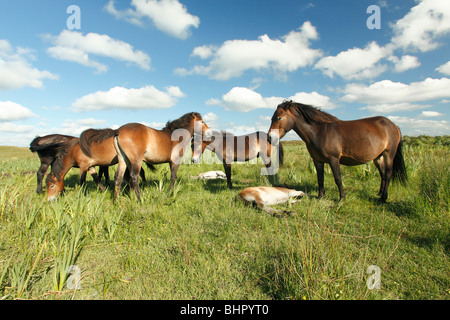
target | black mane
[
  {"x": 181, "y": 122},
  {"x": 94, "y": 136},
  {"x": 57, "y": 165},
  {"x": 312, "y": 115}
]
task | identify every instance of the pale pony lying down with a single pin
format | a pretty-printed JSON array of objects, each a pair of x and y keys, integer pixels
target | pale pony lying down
[
  {"x": 263, "y": 197},
  {"x": 210, "y": 175}
]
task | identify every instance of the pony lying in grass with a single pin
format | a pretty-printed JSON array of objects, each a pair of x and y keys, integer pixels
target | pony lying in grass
[
  {"x": 262, "y": 197},
  {"x": 210, "y": 175}
]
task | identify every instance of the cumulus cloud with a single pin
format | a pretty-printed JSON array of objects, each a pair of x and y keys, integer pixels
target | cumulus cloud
[
  {"x": 244, "y": 100},
  {"x": 387, "y": 91},
  {"x": 234, "y": 57},
  {"x": 355, "y": 63},
  {"x": 419, "y": 126},
  {"x": 429, "y": 114},
  {"x": 169, "y": 16},
  {"x": 445, "y": 68},
  {"x": 10, "y": 127},
  {"x": 16, "y": 70},
  {"x": 405, "y": 63},
  {"x": 147, "y": 97},
  {"x": 76, "y": 47},
  {"x": 423, "y": 26},
  {"x": 11, "y": 111},
  {"x": 418, "y": 30},
  {"x": 76, "y": 127}
]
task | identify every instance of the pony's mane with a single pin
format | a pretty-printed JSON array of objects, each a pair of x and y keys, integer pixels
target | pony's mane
[
  {"x": 94, "y": 136},
  {"x": 312, "y": 115},
  {"x": 57, "y": 165},
  {"x": 181, "y": 122}
]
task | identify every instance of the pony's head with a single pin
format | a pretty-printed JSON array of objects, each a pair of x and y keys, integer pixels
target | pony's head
[
  {"x": 54, "y": 186},
  {"x": 282, "y": 122}
]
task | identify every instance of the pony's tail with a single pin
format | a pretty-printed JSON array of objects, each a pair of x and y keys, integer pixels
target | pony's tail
[
  {"x": 51, "y": 150},
  {"x": 399, "y": 173}
]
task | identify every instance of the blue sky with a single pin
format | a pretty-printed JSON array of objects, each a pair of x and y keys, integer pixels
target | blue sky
[{"x": 233, "y": 61}]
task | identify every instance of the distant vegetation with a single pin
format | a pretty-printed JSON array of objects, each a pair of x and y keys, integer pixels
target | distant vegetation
[{"x": 196, "y": 242}]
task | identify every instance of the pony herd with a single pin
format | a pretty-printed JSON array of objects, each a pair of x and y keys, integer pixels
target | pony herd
[{"x": 328, "y": 140}]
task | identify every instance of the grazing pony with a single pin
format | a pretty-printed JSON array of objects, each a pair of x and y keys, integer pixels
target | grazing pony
[
  {"x": 95, "y": 147},
  {"x": 230, "y": 148},
  {"x": 333, "y": 141},
  {"x": 48, "y": 148},
  {"x": 136, "y": 142},
  {"x": 262, "y": 197}
]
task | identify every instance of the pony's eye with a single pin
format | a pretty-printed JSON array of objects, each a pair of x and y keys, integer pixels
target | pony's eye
[
  {"x": 280, "y": 118},
  {"x": 52, "y": 186}
]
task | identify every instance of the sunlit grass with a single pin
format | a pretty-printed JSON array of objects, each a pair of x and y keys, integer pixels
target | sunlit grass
[{"x": 196, "y": 242}]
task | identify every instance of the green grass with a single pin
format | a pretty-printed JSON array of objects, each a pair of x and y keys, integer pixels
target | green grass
[{"x": 196, "y": 242}]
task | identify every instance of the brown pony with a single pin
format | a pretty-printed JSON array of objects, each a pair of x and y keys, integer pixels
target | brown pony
[
  {"x": 136, "y": 142},
  {"x": 230, "y": 148},
  {"x": 48, "y": 148},
  {"x": 95, "y": 147},
  {"x": 330, "y": 140}
]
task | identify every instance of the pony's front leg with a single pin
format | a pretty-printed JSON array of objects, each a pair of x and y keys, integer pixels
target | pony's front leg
[
  {"x": 173, "y": 173},
  {"x": 96, "y": 178},
  {"x": 227, "y": 168},
  {"x": 40, "y": 176},
  {"x": 320, "y": 177},
  {"x": 83, "y": 173}
]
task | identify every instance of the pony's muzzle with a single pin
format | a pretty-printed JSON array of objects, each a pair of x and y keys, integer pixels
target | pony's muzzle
[{"x": 273, "y": 138}]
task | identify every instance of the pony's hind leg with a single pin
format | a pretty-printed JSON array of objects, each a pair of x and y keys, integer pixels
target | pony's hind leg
[
  {"x": 118, "y": 178},
  {"x": 134, "y": 179},
  {"x": 336, "y": 169},
  {"x": 379, "y": 163}
]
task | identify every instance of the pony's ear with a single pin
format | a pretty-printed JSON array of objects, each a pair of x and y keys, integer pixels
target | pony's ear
[{"x": 286, "y": 105}]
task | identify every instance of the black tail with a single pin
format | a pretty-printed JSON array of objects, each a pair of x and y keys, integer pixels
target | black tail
[
  {"x": 49, "y": 150},
  {"x": 399, "y": 165},
  {"x": 151, "y": 167}
]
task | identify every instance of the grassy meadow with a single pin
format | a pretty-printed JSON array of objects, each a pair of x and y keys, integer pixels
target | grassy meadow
[{"x": 196, "y": 242}]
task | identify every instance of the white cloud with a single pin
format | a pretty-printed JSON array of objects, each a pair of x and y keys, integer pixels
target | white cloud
[
  {"x": 422, "y": 26},
  {"x": 314, "y": 99},
  {"x": 169, "y": 16},
  {"x": 76, "y": 47},
  {"x": 394, "y": 107},
  {"x": 147, "y": 97},
  {"x": 14, "y": 128},
  {"x": 418, "y": 30},
  {"x": 405, "y": 63},
  {"x": 418, "y": 126},
  {"x": 445, "y": 68},
  {"x": 355, "y": 63},
  {"x": 234, "y": 57},
  {"x": 76, "y": 127},
  {"x": 389, "y": 92},
  {"x": 204, "y": 52},
  {"x": 16, "y": 71},
  {"x": 11, "y": 111},
  {"x": 244, "y": 100},
  {"x": 430, "y": 114}
]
